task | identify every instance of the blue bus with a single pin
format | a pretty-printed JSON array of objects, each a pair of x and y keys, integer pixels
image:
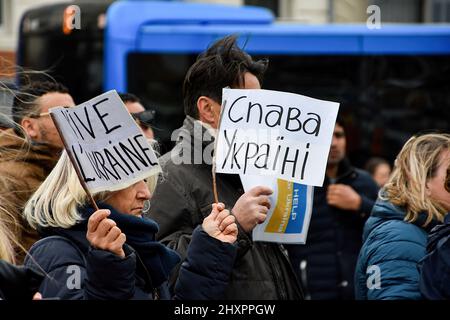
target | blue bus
[{"x": 391, "y": 82}]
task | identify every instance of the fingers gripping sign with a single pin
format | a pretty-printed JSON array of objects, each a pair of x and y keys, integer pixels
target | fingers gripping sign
[
  {"x": 104, "y": 234},
  {"x": 220, "y": 224}
]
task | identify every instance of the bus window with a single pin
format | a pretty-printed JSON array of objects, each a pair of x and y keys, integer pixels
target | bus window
[{"x": 384, "y": 99}]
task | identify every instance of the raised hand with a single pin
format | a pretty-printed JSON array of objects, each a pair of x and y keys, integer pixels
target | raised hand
[{"x": 220, "y": 224}]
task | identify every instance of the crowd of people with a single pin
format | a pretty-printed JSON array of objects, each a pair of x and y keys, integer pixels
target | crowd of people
[{"x": 373, "y": 234}]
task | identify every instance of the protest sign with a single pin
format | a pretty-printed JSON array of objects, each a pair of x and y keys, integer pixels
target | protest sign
[
  {"x": 105, "y": 145},
  {"x": 290, "y": 213},
  {"x": 278, "y": 134}
]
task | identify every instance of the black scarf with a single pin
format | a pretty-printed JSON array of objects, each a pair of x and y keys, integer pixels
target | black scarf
[{"x": 140, "y": 232}]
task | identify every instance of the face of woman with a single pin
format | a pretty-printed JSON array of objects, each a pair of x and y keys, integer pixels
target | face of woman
[
  {"x": 436, "y": 185},
  {"x": 130, "y": 200}
]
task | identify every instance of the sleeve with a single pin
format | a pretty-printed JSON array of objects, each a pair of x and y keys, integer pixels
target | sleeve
[
  {"x": 392, "y": 272},
  {"x": 205, "y": 273},
  {"x": 69, "y": 276},
  {"x": 435, "y": 272}
]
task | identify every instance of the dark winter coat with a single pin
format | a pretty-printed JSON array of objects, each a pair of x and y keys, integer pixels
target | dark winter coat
[
  {"x": 435, "y": 267},
  {"x": 18, "y": 282}
]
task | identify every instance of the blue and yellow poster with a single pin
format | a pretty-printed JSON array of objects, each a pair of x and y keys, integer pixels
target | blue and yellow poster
[{"x": 291, "y": 205}]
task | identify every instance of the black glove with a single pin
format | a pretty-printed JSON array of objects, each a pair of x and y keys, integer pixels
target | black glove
[{"x": 18, "y": 282}]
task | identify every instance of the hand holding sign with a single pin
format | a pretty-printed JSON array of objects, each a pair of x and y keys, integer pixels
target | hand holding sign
[
  {"x": 220, "y": 224},
  {"x": 252, "y": 207},
  {"x": 343, "y": 197},
  {"x": 104, "y": 234}
]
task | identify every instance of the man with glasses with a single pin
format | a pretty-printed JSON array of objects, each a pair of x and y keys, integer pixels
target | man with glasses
[
  {"x": 30, "y": 150},
  {"x": 144, "y": 118},
  {"x": 30, "y": 110},
  {"x": 326, "y": 263}
]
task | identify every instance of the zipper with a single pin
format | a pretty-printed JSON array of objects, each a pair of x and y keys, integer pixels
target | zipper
[
  {"x": 276, "y": 275},
  {"x": 155, "y": 292},
  {"x": 304, "y": 278}
]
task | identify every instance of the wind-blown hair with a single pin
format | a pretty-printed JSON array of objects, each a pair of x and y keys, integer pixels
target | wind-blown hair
[
  {"x": 415, "y": 165},
  {"x": 222, "y": 65}
]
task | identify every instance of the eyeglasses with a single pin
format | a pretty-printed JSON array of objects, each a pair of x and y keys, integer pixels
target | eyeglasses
[
  {"x": 43, "y": 114},
  {"x": 144, "y": 118}
]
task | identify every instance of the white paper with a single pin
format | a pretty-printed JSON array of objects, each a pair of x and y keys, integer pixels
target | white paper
[
  {"x": 290, "y": 213},
  {"x": 107, "y": 146},
  {"x": 275, "y": 134}
]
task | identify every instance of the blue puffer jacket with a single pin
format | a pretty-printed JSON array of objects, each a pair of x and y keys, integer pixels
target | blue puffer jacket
[
  {"x": 435, "y": 267},
  {"x": 75, "y": 270},
  {"x": 387, "y": 263}
]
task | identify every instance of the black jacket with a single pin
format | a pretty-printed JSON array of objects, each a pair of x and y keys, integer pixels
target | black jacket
[
  {"x": 326, "y": 263},
  {"x": 18, "y": 282},
  {"x": 75, "y": 270},
  {"x": 435, "y": 267},
  {"x": 183, "y": 199}
]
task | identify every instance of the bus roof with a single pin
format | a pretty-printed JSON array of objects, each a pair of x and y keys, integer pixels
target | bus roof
[{"x": 180, "y": 27}]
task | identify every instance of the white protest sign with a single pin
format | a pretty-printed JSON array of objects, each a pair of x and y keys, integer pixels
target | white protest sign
[
  {"x": 107, "y": 146},
  {"x": 278, "y": 134},
  {"x": 290, "y": 212}
]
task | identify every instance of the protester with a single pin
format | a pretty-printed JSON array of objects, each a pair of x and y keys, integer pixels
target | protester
[
  {"x": 326, "y": 263},
  {"x": 435, "y": 267},
  {"x": 410, "y": 204},
  {"x": 113, "y": 251},
  {"x": 183, "y": 197},
  {"x": 30, "y": 149},
  {"x": 379, "y": 169},
  {"x": 144, "y": 118}
]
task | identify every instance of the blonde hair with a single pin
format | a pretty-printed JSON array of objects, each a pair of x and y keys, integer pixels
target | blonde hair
[
  {"x": 55, "y": 202},
  {"x": 415, "y": 165}
]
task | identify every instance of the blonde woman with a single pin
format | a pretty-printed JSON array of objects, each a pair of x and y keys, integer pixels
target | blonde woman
[
  {"x": 112, "y": 253},
  {"x": 395, "y": 236}
]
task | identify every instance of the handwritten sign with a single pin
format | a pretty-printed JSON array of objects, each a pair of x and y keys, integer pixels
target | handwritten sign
[
  {"x": 278, "y": 134},
  {"x": 290, "y": 213},
  {"x": 107, "y": 146}
]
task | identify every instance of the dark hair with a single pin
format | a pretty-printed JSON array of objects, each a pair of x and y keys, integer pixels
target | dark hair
[
  {"x": 222, "y": 65},
  {"x": 24, "y": 102},
  {"x": 373, "y": 163},
  {"x": 129, "y": 97}
]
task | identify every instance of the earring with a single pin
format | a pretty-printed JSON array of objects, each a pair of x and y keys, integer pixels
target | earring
[{"x": 146, "y": 208}]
